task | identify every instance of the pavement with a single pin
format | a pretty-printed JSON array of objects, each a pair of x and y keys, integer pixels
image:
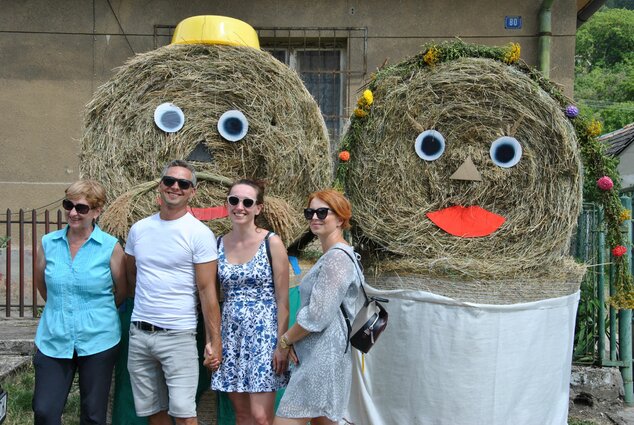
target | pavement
[
  {"x": 16, "y": 344},
  {"x": 17, "y": 348}
]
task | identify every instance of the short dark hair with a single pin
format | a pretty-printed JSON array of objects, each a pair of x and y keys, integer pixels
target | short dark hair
[{"x": 180, "y": 163}]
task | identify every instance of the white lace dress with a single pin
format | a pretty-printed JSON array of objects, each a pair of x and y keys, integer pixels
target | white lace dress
[{"x": 320, "y": 384}]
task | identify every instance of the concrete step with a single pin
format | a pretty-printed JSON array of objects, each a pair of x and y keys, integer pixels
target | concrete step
[{"x": 11, "y": 364}]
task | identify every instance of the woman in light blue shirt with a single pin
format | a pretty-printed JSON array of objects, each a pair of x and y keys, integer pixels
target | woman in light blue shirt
[{"x": 81, "y": 275}]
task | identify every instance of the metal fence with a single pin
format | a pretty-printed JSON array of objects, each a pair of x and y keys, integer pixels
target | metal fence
[
  {"x": 22, "y": 233},
  {"x": 603, "y": 334}
]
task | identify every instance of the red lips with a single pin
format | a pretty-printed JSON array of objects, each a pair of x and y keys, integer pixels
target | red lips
[
  {"x": 466, "y": 222},
  {"x": 207, "y": 214}
]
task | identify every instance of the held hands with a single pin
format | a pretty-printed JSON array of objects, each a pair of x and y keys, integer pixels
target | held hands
[
  {"x": 280, "y": 360},
  {"x": 213, "y": 357}
]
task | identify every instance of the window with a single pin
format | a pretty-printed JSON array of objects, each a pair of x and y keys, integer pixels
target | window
[{"x": 330, "y": 62}]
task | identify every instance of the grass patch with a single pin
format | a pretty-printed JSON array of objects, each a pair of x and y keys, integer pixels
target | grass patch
[
  {"x": 19, "y": 388},
  {"x": 575, "y": 421}
]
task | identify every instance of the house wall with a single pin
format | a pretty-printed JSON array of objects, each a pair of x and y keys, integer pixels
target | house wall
[
  {"x": 626, "y": 167},
  {"x": 53, "y": 55}
]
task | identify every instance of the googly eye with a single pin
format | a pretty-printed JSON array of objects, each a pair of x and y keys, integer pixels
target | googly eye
[
  {"x": 506, "y": 152},
  {"x": 169, "y": 117},
  {"x": 233, "y": 125},
  {"x": 430, "y": 145}
]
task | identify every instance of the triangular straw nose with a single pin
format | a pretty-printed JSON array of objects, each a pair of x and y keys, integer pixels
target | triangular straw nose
[
  {"x": 467, "y": 171},
  {"x": 212, "y": 29}
]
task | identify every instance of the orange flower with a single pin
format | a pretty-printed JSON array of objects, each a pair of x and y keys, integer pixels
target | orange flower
[
  {"x": 360, "y": 113},
  {"x": 344, "y": 155}
]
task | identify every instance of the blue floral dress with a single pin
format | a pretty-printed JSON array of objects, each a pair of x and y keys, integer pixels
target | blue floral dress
[{"x": 249, "y": 326}]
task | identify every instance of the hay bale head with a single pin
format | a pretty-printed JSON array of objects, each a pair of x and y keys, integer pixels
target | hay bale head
[
  {"x": 465, "y": 169},
  {"x": 286, "y": 143}
]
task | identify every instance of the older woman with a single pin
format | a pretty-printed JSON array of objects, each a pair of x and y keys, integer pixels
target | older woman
[
  {"x": 80, "y": 273},
  {"x": 320, "y": 382}
]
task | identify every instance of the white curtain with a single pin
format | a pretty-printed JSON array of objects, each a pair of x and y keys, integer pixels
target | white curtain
[{"x": 442, "y": 361}]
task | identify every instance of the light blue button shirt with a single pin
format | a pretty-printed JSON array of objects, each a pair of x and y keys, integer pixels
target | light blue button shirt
[{"x": 80, "y": 313}]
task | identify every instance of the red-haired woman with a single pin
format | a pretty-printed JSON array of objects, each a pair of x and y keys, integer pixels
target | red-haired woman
[{"x": 318, "y": 342}]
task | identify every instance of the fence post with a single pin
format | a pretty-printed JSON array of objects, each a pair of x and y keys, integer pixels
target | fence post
[
  {"x": 8, "y": 277},
  {"x": 625, "y": 320},
  {"x": 21, "y": 241},
  {"x": 601, "y": 285},
  {"x": 34, "y": 260}
]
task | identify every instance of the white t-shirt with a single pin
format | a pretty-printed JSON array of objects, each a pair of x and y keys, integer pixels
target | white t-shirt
[{"x": 165, "y": 253}]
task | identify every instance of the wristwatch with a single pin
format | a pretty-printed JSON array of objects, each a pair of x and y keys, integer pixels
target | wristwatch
[{"x": 284, "y": 344}]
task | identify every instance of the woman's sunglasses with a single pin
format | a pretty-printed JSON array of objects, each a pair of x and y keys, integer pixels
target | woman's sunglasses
[
  {"x": 322, "y": 213},
  {"x": 246, "y": 202},
  {"x": 183, "y": 184},
  {"x": 80, "y": 208}
]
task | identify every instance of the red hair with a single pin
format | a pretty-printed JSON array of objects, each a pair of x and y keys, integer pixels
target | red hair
[{"x": 338, "y": 203}]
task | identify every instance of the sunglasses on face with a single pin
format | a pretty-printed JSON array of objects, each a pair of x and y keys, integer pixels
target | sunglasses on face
[
  {"x": 246, "y": 202},
  {"x": 183, "y": 184},
  {"x": 322, "y": 213},
  {"x": 80, "y": 208}
]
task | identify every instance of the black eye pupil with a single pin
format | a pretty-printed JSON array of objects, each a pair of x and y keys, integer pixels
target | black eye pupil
[
  {"x": 504, "y": 153},
  {"x": 170, "y": 119},
  {"x": 430, "y": 145},
  {"x": 232, "y": 125}
]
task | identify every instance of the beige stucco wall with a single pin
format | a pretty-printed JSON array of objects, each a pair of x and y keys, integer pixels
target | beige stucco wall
[{"x": 53, "y": 54}]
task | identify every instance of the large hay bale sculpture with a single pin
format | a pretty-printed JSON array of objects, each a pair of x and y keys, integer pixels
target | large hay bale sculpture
[
  {"x": 465, "y": 177},
  {"x": 286, "y": 143},
  {"x": 512, "y": 222},
  {"x": 274, "y": 132}
]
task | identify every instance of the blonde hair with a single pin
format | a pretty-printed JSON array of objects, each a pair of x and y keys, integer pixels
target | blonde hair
[{"x": 92, "y": 190}]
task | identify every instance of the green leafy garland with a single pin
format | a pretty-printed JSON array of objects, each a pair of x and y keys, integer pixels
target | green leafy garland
[{"x": 601, "y": 178}]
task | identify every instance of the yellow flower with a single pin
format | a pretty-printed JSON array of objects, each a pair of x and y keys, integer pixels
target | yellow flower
[
  {"x": 595, "y": 128},
  {"x": 512, "y": 54},
  {"x": 368, "y": 97},
  {"x": 360, "y": 113},
  {"x": 431, "y": 57},
  {"x": 625, "y": 215}
]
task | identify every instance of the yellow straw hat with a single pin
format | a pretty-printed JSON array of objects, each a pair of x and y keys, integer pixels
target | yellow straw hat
[{"x": 210, "y": 29}]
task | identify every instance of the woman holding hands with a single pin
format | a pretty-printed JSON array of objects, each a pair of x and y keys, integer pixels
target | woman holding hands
[
  {"x": 318, "y": 342},
  {"x": 253, "y": 271}
]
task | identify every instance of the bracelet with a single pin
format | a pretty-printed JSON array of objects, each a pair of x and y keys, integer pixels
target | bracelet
[{"x": 284, "y": 343}]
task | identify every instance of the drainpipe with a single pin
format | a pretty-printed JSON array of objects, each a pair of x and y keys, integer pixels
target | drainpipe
[{"x": 545, "y": 34}]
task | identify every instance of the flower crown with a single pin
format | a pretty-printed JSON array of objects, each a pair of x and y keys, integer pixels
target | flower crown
[{"x": 601, "y": 178}]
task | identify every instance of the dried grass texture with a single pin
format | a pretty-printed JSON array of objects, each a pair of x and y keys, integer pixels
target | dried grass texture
[
  {"x": 471, "y": 102},
  {"x": 287, "y": 143}
]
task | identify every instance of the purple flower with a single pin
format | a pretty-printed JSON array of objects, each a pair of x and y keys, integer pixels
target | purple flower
[{"x": 571, "y": 111}]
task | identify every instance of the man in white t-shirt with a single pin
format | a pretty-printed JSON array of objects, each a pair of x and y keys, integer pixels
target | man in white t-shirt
[{"x": 171, "y": 257}]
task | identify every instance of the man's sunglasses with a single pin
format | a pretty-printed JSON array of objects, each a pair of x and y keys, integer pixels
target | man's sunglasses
[
  {"x": 322, "y": 213},
  {"x": 246, "y": 202},
  {"x": 80, "y": 208},
  {"x": 183, "y": 184}
]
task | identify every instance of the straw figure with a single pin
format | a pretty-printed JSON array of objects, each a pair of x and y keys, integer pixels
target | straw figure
[
  {"x": 214, "y": 98},
  {"x": 464, "y": 168},
  {"x": 275, "y": 130}
]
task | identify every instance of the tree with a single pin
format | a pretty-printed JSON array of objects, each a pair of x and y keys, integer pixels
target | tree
[{"x": 604, "y": 71}]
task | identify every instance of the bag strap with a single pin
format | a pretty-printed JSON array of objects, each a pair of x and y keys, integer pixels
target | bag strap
[
  {"x": 356, "y": 266},
  {"x": 267, "y": 246}
]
